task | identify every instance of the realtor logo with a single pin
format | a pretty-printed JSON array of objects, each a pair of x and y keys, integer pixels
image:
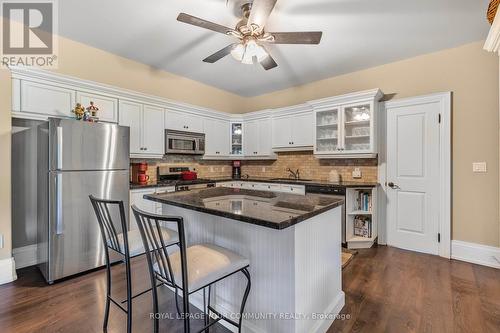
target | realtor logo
[{"x": 29, "y": 33}]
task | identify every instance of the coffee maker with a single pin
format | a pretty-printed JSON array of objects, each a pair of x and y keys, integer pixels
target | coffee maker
[
  {"x": 236, "y": 169},
  {"x": 138, "y": 174}
]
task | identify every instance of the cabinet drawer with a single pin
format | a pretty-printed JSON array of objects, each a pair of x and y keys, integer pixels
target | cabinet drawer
[
  {"x": 269, "y": 187},
  {"x": 108, "y": 106},
  {"x": 46, "y": 99},
  {"x": 295, "y": 189}
]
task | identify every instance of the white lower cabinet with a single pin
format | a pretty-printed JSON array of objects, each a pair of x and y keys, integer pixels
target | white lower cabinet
[
  {"x": 146, "y": 124},
  {"x": 272, "y": 187},
  {"x": 137, "y": 198}
]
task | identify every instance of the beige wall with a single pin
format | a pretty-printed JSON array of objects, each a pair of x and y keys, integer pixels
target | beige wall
[
  {"x": 469, "y": 72},
  {"x": 472, "y": 75},
  {"x": 5, "y": 127},
  {"x": 85, "y": 62}
]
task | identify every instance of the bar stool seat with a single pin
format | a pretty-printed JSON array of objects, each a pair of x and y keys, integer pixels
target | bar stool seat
[
  {"x": 206, "y": 264},
  {"x": 135, "y": 244}
]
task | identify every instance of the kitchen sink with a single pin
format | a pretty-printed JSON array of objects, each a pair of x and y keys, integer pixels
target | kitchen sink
[{"x": 293, "y": 180}]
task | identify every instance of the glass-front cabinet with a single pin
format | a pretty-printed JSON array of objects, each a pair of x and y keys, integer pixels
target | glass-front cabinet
[
  {"x": 236, "y": 139},
  {"x": 346, "y": 127},
  {"x": 327, "y": 131}
]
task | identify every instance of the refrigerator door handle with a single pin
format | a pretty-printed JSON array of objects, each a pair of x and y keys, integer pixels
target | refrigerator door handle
[
  {"x": 59, "y": 147},
  {"x": 59, "y": 212}
]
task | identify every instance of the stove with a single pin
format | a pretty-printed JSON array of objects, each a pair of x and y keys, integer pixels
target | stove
[{"x": 171, "y": 175}]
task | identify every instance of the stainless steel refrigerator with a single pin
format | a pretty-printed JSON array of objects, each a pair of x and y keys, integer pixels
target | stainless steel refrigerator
[{"x": 76, "y": 159}]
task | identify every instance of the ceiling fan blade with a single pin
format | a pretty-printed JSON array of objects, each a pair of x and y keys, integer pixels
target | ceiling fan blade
[
  {"x": 219, "y": 54},
  {"x": 193, "y": 20},
  {"x": 261, "y": 9},
  {"x": 301, "y": 37},
  {"x": 268, "y": 62}
]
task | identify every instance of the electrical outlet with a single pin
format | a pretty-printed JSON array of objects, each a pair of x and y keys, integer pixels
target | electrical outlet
[
  {"x": 356, "y": 173},
  {"x": 211, "y": 169},
  {"x": 479, "y": 167},
  {"x": 263, "y": 169}
]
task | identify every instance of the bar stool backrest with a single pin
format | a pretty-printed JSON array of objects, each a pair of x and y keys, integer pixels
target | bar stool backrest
[
  {"x": 155, "y": 246},
  {"x": 103, "y": 209}
]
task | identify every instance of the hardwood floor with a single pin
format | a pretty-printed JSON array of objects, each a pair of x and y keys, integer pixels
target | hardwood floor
[
  {"x": 391, "y": 290},
  {"x": 387, "y": 290}
]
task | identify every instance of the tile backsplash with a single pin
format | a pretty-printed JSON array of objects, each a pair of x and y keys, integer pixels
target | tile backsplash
[{"x": 309, "y": 166}]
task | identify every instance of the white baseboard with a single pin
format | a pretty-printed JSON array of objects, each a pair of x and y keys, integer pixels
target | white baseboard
[
  {"x": 476, "y": 253},
  {"x": 25, "y": 256},
  {"x": 7, "y": 270},
  {"x": 333, "y": 309}
]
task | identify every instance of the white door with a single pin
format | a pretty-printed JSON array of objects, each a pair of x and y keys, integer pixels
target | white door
[
  {"x": 413, "y": 167},
  {"x": 131, "y": 116},
  {"x": 153, "y": 130}
]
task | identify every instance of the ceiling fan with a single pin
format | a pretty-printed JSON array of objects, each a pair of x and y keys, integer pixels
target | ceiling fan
[{"x": 250, "y": 32}]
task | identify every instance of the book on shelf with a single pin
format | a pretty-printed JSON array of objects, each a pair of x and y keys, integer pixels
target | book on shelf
[
  {"x": 364, "y": 201},
  {"x": 362, "y": 226}
]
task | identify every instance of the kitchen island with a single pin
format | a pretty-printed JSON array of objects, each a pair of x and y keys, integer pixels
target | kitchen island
[{"x": 293, "y": 243}]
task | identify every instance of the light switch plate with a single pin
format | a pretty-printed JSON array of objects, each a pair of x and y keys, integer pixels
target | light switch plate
[
  {"x": 356, "y": 173},
  {"x": 479, "y": 167},
  {"x": 1, "y": 241}
]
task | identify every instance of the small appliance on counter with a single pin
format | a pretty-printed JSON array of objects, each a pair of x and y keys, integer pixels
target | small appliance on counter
[
  {"x": 183, "y": 177},
  {"x": 139, "y": 175},
  {"x": 236, "y": 169}
]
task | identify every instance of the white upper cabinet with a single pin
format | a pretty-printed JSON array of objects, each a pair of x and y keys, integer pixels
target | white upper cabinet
[
  {"x": 216, "y": 138},
  {"x": 179, "y": 121},
  {"x": 258, "y": 138},
  {"x": 153, "y": 130},
  {"x": 236, "y": 139},
  {"x": 345, "y": 126},
  {"x": 108, "y": 106},
  {"x": 131, "y": 116},
  {"x": 44, "y": 99},
  {"x": 293, "y": 131},
  {"x": 146, "y": 124}
]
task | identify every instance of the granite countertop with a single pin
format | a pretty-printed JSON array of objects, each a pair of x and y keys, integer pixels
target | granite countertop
[
  {"x": 263, "y": 180},
  {"x": 269, "y": 209}
]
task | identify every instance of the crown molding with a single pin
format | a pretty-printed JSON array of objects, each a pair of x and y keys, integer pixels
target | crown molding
[{"x": 326, "y": 103}]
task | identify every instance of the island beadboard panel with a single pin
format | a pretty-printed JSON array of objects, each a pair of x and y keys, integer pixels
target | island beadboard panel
[{"x": 311, "y": 168}]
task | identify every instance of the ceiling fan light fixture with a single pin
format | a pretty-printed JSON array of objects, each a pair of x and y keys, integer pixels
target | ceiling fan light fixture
[{"x": 246, "y": 52}]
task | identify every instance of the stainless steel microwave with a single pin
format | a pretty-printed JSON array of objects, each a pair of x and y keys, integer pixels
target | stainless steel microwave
[{"x": 188, "y": 143}]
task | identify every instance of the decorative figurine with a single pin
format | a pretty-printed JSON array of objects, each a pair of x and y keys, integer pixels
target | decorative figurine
[
  {"x": 79, "y": 111},
  {"x": 92, "y": 109},
  {"x": 86, "y": 115}
]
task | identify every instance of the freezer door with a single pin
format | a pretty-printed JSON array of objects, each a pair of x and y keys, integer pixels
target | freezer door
[
  {"x": 75, "y": 244},
  {"x": 79, "y": 145}
]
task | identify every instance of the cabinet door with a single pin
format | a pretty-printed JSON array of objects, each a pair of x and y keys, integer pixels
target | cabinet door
[
  {"x": 357, "y": 125},
  {"x": 108, "y": 106},
  {"x": 265, "y": 138},
  {"x": 252, "y": 138},
  {"x": 46, "y": 99},
  {"x": 131, "y": 116},
  {"x": 302, "y": 129},
  {"x": 328, "y": 132},
  {"x": 137, "y": 198},
  {"x": 183, "y": 122},
  {"x": 282, "y": 132},
  {"x": 153, "y": 130},
  {"x": 216, "y": 137}
]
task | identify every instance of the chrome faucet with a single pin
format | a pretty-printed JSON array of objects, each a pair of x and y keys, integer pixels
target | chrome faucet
[{"x": 295, "y": 175}]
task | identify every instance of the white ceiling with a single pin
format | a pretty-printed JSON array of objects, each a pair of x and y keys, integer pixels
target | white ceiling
[{"x": 357, "y": 34}]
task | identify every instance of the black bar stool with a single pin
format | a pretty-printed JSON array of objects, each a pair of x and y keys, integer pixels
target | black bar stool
[
  {"x": 191, "y": 269},
  {"x": 126, "y": 243}
]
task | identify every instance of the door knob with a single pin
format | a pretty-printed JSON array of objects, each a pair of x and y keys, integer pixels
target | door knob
[{"x": 393, "y": 186}]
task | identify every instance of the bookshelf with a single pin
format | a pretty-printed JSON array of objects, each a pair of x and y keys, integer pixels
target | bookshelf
[{"x": 361, "y": 217}]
